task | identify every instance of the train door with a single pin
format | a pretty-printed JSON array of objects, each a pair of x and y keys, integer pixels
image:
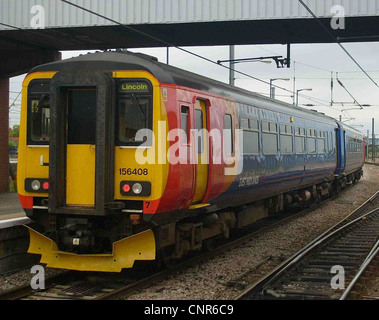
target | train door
[
  {"x": 201, "y": 152},
  {"x": 80, "y": 147},
  {"x": 341, "y": 150}
]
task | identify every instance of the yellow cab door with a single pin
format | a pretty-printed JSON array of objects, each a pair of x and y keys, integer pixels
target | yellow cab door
[
  {"x": 81, "y": 147},
  {"x": 201, "y": 152}
]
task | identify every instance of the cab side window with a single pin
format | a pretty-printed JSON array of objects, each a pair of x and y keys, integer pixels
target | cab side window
[{"x": 185, "y": 124}]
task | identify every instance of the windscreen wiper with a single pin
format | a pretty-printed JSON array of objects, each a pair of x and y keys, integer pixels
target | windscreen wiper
[
  {"x": 139, "y": 105},
  {"x": 40, "y": 102}
]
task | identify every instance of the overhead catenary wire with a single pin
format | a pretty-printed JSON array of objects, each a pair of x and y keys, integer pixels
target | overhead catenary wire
[
  {"x": 331, "y": 102},
  {"x": 317, "y": 67},
  {"x": 12, "y": 104},
  {"x": 315, "y": 78},
  {"x": 309, "y": 78},
  {"x": 342, "y": 85},
  {"x": 337, "y": 41}
]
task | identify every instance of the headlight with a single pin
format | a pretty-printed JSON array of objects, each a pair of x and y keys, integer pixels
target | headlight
[
  {"x": 36, "y": 185},
  {"x": 137, "y": 188}
]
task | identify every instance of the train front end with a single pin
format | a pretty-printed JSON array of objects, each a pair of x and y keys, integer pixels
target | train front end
[{"x": 79, "y": 178}]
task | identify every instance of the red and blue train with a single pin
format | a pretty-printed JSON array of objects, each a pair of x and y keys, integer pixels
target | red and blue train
[{"x": 123, "y": 159}]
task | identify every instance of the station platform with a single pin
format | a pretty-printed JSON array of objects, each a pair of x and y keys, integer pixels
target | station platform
[
  {"x": 10, "y": 207},
  {"x": 14, "y": 238}
]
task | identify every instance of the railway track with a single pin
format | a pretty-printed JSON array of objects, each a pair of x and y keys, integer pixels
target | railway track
[
  {"x": 368, "y": 270},
  {"x": 89, "y": 286},
  {"x": 86, "y": 286},
  {"x": 352, "y": 244}
]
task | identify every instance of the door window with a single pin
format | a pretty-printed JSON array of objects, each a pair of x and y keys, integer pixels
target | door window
[{"x": 81, "y": 116}]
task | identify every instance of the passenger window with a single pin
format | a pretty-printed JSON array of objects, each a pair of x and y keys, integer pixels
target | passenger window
[
  {"x": 273, "y": 127},
  {"x": 269, "y": 138},
  {"x": 265, "y": 126},
  {"x": 321, "y": 145},
  {"x": 311, "y": 145},
  {"x": 199, "y": 128},
  {"x": 311, "y": 141},
  {"x": 185, "y": 124},
  {"x": 286, "y": 139},
  {"x": 286, "y": 144},
  {"x": 270, "y": 143},
  {"x": 253, "y": 124},
  {"x": 228, "y": 135},
  {"x": 300, "y": 140},
  {"x": 250, "y": 142},
  {"x": 327, "y": 142},
  {"x": 251, "y": 138},
  {"x": 244, "y": 123}
]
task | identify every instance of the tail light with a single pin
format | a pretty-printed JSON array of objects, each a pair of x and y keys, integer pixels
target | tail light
[{"x": 126, "y": 188}]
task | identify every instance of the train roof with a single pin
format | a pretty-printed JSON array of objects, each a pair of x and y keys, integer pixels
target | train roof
[{"x": 125, "y": 60}]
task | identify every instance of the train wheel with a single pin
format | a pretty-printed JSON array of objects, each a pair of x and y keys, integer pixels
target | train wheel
[
  {"x": 165, "y": 258},
  {"x": 337, "y": 188},
  {"x": 209, "y": 244}
]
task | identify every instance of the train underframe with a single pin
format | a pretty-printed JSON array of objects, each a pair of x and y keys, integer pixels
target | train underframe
[{"x": 109, "y": 238}]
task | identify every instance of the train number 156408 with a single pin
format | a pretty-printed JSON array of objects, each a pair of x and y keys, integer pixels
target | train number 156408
[{"x": 133, "y": 172}]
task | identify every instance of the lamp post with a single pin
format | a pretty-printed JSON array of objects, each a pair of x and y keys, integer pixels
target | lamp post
[
  {"x": 297, "y": 94},
  {"x": 272, "y": 89}
]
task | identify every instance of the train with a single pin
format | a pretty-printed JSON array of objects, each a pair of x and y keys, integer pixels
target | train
[{"x": 124, "y": 159}]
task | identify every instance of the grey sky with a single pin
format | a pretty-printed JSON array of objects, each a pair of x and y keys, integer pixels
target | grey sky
[{"x": 323, "y": 57}]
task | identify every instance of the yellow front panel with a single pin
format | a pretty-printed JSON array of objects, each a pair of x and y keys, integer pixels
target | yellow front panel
[
  {"x": 80, "y": 173},
  {"x": 125, "y": 158},
  {"x": 29, "y": 156}
]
